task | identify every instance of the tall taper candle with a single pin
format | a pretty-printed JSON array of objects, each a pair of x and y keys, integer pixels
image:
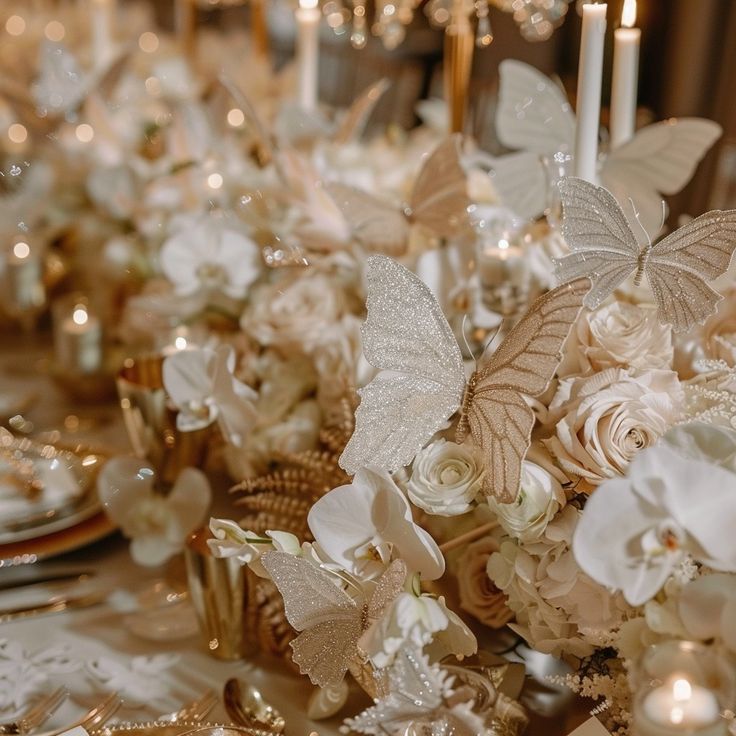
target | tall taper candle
[
  {"x": 307, "y": 52},
  {"x": 458, "y": 62},
  {"x": 185, "y": 23},
  {"x": 590, "y": 73},
  {"x": 101, "y": 20},
  {"x": 625, "y": 76}
]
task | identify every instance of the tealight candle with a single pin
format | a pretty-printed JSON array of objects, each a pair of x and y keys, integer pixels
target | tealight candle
[
  {"x": 503, "y": 274},
  {"x": 625, "y": 76},
  {"x": 590, "y": 74},
  {"x": 307, "y": 52},
  {"x": 78, "y": 337}
]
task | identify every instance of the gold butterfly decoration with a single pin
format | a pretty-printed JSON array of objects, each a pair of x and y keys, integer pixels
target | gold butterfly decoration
[
  {"x": 439, "y": 202},
  {"x": 421, "y": 380},
  {"x": 605, "y": 249},
  {"x": 330, "y": 621}
]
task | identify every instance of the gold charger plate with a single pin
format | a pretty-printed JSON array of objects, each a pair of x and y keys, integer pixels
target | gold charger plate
[
  {"x": 65, "y": 540},
  {"x": 164, "y": 728}
]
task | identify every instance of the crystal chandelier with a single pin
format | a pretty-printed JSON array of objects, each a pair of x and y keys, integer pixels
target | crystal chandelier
[{"x": 388, "y": 19}]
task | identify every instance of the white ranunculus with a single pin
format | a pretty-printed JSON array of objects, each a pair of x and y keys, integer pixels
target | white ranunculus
[
  {"x": 604, "y": 420},
  {"x": 445, "y": 478},
  {"x": 363, "y": 525},
  {"x": 291, "y": 314},
  {"x": 617, "y": 335},
  {"x": 636, "y": 531},
  {"x": 540, "y": 497}
]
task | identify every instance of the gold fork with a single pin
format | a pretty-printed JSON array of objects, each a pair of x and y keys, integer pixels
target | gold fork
[
  {"x": 94, "y": 717},
  {"x": 37, "y": 714},
  {"x": 195, "y": 711}
]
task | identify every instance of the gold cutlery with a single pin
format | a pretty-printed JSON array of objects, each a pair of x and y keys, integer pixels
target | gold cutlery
[
  {"x": 37, "y": 714},
  {"x": 247, "y": 707},
  {"x": 195, "y": 711},
  {"x": 93, "y": 718},
  {"x": 55, "y": 605}
]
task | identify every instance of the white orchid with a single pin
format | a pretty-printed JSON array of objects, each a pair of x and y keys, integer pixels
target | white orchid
[
  {"x": 157, "y": 524},
  {"x": 201, "y": 384},
  {"x": 636, "y": 530},
  {"x": 361, "y": 526},
  {"x": 208, "y": 254}
]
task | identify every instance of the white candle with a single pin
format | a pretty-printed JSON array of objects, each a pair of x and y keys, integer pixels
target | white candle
[
  {"x": 79, "y": 344},
  {"x": 625, "y": 76},
  {"x": 590, "y": 73},
  {"x": 679, "y": 706},
  {"x": 101, "y": 17},
  {"x": 23, "y": 288},
  {"x": 307, "y": 52}
]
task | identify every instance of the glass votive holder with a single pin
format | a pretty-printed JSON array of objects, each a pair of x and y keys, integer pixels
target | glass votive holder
[
  {"x": 23, "y": 292},
  {"x": 79, "y": 344},
  {"x": 556, "y": 167},
  {"x": 682, "y": 687},
  {"x": 503, "y": 272}
]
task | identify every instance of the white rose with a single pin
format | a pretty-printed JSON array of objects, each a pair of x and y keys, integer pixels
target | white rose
[
  {"x": 617, "y": 335},
  {"x": 445, "y": 478},
  {"x": 540, "y": 497},
  {"x": 606, "y": 418},
  {"x": 719, "y": 332},
  {"x": 293, "y": 314}
]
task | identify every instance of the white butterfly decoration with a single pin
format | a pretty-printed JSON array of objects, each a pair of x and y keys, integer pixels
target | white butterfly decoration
[
  {"x": 535, "y": 118},
  {"x": 329, "y": 620},
  {"x": 605, "y": 249},
  {"x": 417, "y": 702},
  {"x": 421, "y": 380}
]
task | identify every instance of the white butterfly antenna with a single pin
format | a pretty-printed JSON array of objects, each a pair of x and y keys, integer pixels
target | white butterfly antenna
[
  {"x": 638, "y": 219},
  {"x": 344, "y": 576},
  {"x": 467, "y": 344},
  {"x": 664, "y": 214}
]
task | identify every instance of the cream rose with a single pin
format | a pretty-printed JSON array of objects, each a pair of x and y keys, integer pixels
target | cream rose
[
  {"x": 540, "y": 498},
  {"x": 605, "y": 419},
  {"x": 478, "y": 595},
  {"x": 293, "y": 314},
  {"x": 445, "y": 478},
  {"x": 617, "y": 335},
  {"x": 719, "y": 332}
]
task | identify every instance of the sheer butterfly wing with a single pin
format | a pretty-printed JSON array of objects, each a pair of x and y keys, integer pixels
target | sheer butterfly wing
[
  {"x": 603, "y": 246},
  {"x": 678, "y": 265},
  {"x": 377, "y": 226},
  {"x": 659, "y": 160},
  {"x": 328, "y": 619},
  {"x": 520, "y": 181},
  {"x": 497, "y": 416},
  {"x": 353, "y": 123},
  {"x": 407, "y": 337},
  {"x": 440, "y": 199},
  {"x": 533, "y": 112}
]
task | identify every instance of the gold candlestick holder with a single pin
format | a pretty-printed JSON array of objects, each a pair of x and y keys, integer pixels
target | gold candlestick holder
[{"x": 458, "y": 62}]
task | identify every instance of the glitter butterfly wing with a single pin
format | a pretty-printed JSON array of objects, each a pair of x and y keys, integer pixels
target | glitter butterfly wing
[
  {"x": 496, "y": 415},
  {"x": 421, "y": 379},
  {"x": 601, "y": 240},
  {"x": 353, "y": 123},
  {"x": 604, "y": 248},
  {"x": 678, "y": 265},
  {"x": 329, "y": 620},
  {"x": 440, "y": 199},
  {"x": 533, "y": 112},
  {"x": 659, "y": 160}
]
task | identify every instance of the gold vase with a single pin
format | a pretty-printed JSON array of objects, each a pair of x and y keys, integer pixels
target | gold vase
[
  {"x": 150, "y": 420},
  {"x": 458, "y": 61}
]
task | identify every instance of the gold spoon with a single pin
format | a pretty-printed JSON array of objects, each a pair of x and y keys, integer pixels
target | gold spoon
[{"x": 248, "y": 708}]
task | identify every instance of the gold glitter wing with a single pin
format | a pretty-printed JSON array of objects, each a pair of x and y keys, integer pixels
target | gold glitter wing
[
  {"x": 421, "y": 378},
  {"x": 352, "y": 125},
  {"x": 389, "y": 585},
  {"x": 495, "y": 414},
  {"x": 377, "y": 226},
  {"x": 440, "y": 198},
  {"x": 602, "y": 243},
  {"x": 678, "y": 265},
  {"x": 329, "y": 620}
]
